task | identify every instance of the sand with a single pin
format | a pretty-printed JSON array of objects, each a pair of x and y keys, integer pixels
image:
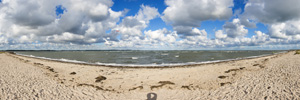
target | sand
[{"x": 271, "y": 77}]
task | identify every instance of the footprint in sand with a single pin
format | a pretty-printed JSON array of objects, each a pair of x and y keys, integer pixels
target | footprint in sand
[{"x": 230, "y": 70}]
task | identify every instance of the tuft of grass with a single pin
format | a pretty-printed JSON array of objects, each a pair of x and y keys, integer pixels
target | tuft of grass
[{"x": 297, "y": 52}]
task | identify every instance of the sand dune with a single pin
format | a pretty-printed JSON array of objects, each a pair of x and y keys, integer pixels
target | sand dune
[{"x": 271, "y": 77}]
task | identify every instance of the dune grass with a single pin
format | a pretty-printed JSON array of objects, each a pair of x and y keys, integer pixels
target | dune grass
[
  {"x": 297, "y": 52},
  {"x": 1, "y": 52}
]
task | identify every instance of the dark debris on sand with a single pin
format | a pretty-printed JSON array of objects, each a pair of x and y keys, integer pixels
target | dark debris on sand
[
  {"x": 100, "y": 78},
  {"x": 73, "y": 73},
  {"x": 222, "y": 77},
  {"x": 162, "y": 83}
]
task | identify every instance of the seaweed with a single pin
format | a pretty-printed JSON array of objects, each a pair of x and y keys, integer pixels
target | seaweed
[
  {"x": 100, "y": 78},
  {"x": 162, "y": 83},
  {"x": 222, "y": 77},
  {"x": 73, "y": 73}
]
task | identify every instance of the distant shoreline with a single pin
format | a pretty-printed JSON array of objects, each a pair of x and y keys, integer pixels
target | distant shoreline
[
  {"x": 145, "y": 50},
  {"x": 151, "y": 66}
]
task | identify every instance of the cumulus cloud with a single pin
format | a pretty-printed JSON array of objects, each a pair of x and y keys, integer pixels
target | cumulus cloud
[
  {"x": 282, "y": 17},
  {"x": 260, "y": 38},
  {"x": 83, "y": 22},
  {"x": 184, "y": 15},
  {"x": 285, "y": 30},
  {"x": 133, "y": 35},
  {"x": 272, "y": 11},
  {"x": 132, "y": 26},
  {"x": 51, "y": 46},
  {"x": 233, "y": 29},
  {"x": 220, "y": 35},
  {"x": 29, "y": 12},
  {"x": 3, "y": 40},
  {"x": 198, "y": 40},
  {"x": 161, "y": 35},
  {"x": 232, "y": 34},
  {"x": 152, "y": 39}
]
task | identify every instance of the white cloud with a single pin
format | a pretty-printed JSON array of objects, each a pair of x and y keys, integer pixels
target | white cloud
[
  {"x": 131, "y": 31},
  {"x": 285, "y": 30},
  {"x": 184, "y": 15},
  {"x": 67, "y": 37},
  {"x": 147, "y": 13},
  {"x": 29, "y": 12},
  {"x": 260, "y": 38},
  {"x": 220, "y": 35},
  {"x": 99, "y": 13},
  {"x": 151, "y": 39},
  {"x": 3, "y": 40},
  {"x": 161, "y": 35},
  {"x": 235, "y": 29},
  {"x": 27, "y": 21},
  {"x": 132, "y": 26},
  {"x": 272, "y": 11},
  {"x": 232, "y": 34},
  {"x": 198, "y": 40},
  {"x": 281, "y": 16}
]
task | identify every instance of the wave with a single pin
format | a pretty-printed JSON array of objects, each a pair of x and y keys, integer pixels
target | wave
[
  {"x": 164, "y": 54},
  {"x": 144, "y": 65},
  {"x": 53, "y": 59},
  {"x": 134, "y": 58}
]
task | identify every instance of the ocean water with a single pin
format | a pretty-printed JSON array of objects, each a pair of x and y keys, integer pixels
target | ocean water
[{"x": 145, "y": 58}]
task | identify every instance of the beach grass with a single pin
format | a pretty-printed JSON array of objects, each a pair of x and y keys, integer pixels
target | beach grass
[
  {"x": 1, "y": 52},
  {"x": 297, "y": 52}
]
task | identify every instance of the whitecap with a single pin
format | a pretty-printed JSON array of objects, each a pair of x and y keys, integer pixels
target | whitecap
[
  {"x": 164, "y": 54},
  {"x": 134, "y": 58}
]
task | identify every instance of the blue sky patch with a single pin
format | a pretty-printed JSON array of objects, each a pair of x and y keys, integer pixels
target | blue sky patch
[
  {"x": 60, "y": 10},
  {"x": 239, "y": 5},
  {"x": 134, "y": 5}
]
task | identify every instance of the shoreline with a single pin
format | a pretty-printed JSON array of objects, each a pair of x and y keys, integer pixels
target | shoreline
[{"x": 150, "y": 66}]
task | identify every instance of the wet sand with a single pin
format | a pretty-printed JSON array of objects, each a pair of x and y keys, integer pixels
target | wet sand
[{"x": 270, "y": 77}]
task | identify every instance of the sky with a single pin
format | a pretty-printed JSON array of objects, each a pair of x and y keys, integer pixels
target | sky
[{"x": 149, "y": 24}]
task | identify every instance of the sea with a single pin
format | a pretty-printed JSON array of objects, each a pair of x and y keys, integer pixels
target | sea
[{"x": 147, "y": 57}]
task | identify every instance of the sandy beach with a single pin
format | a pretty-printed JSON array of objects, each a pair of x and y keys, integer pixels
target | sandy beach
[{"x": 270, "y": 77}]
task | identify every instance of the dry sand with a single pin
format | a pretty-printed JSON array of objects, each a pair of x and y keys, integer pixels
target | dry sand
[{"x": 271, "y": 77}]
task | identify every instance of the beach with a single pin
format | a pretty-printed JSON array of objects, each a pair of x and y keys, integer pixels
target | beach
[{"x": 268, "y": 77}]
